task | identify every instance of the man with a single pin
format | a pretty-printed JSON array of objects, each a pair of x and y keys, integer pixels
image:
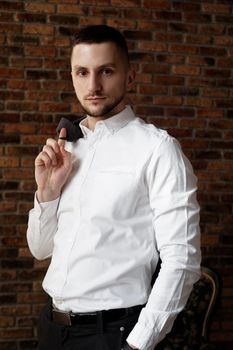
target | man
[{"x": 107, "y": 207}]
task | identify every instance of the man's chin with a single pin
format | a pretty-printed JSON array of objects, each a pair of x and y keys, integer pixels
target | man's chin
[{"x": 98, "y": 112}]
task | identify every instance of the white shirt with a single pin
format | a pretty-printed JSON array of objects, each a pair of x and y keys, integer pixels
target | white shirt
[{"x": 131, "y": 197}]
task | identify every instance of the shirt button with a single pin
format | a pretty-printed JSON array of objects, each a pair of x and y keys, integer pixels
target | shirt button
[{"x": 122, "y": 329}]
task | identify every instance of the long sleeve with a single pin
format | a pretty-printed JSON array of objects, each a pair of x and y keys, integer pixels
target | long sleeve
[
  {"x": 42, "y": 226},
  {"x": 172, "y": 192}
]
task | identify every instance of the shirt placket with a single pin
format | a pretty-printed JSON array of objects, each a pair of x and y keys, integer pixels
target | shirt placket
[{"x": 93, "y": 142}]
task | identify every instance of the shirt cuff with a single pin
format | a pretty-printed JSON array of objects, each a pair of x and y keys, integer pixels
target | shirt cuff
[
  {"x": 150, "y": 329},
  {"x": 46, "y": 208},
  {"x": 142, "y": 338}
]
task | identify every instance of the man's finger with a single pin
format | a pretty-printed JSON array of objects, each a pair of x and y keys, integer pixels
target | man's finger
[{"x": 62, "y": 137}]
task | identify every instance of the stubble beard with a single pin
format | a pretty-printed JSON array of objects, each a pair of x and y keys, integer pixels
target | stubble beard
[{"x": 106, "y": 111}]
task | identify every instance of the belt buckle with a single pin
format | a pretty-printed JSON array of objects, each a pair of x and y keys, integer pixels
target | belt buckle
[{"x": 62, "y": 317}]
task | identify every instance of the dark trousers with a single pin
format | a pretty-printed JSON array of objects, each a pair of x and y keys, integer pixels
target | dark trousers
[{"x": 102, "y": 335}]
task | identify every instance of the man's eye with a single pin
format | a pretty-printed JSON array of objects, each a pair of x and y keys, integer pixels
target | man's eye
[
  {"x": 82, "y": 73},
  {"x": 107, "y": 71}
]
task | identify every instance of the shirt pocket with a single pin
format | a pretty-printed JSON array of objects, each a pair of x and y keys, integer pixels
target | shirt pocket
[{"x": 118, "y": 171}]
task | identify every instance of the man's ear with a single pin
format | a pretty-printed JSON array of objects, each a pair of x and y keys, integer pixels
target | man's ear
[{"x": 131, "y": 78}]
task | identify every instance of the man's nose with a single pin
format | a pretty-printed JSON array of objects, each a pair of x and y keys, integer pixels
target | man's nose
[{"x": 94, "y": 84}]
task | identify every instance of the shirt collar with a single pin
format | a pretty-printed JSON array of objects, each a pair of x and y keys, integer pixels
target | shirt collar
[{"x": 113, "y": 124}]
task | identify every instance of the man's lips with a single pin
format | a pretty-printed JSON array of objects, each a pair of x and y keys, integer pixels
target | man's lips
[{"x": 95, "y": 98}]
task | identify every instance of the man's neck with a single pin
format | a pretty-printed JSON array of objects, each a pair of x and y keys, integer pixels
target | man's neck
[{"x": 91, "y": 121}]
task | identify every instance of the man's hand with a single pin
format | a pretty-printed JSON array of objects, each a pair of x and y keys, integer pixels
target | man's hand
[
  {"x": 133, "y": 347},
  {"x": 52, "y": 168},
  {"x": 128, "y": 346}
]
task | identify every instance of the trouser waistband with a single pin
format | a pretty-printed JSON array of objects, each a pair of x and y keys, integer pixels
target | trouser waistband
[{"x": 70, "y": 318}]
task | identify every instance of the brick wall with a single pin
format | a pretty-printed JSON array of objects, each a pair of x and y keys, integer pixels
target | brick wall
[{"x": 182, "y": 52}]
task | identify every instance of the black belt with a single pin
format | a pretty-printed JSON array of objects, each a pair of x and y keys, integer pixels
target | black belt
[{"x": 70, "y": 318}]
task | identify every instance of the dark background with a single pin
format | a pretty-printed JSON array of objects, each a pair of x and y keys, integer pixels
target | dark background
[{"x": 183, "y": 55}]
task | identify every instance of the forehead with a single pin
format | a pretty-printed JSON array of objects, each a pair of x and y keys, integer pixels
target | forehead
[{"x": 94, "y": 55}]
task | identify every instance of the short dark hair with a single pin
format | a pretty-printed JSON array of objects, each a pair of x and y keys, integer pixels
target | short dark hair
[{"x": 96, "y": 34}]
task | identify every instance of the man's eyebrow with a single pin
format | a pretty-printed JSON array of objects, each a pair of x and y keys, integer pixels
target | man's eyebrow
[{"x": 109, "y": 64}]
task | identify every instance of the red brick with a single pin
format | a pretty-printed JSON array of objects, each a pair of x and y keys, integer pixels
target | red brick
[
  {"x": 18, "y": 174},
  {"x": 190, "y": 123},
  {"x": 169, "y": 37},
  {"x": 16, "y": 333},
  {"x": 7, "y": 207},
  {"x": 58, "y": 85},
  {"x": 198, "y": 40},
  {"x": 11, "y": 6},
  {"x": 42, "y": 96},
  {"x": 32, "y": 140},
  {"x": 95, "y": 2},
  {"x": 213, "y": 51},
  {"x": 11, "y": 72},
  {"x": 39, "y": 7},
  {"x": 27, "y": 186},
  {"x": 15, "y": 310},
  {"x": 210, "y": 240},
  {"x": 105, "y": 11},
  {"x": 183, "y": 6},
  {"x": 10, "y": 162},
  {"x": 125, "y": 3},
  {"x": 217, "y": 8},
  {"x": 6, "y": 17},
  {"x": 144, "y": 24},
  {"x": 185, "y": 91},
  {"x": 26, "y": 62},
  {"x": 167, "y": 100},
  {"x": 186, "y": 70},
  {"x": 210, "y": 113},
  {"x": 186, "y": 49},
  {"x": 54, "y": 107},
  {"x": 174, "y": 59},
  {"x": 20, "y": 128},
  {"x": 21, "y": 106},
  {"x": 182, "y": 27},
  {"x": 162, "y": 122},
  {"x": 168, "y": 80},
  {"x": 29, "y": 162},
  {"x": 143, "y": 78},
  {"x": 23, "y": 84},
  {"x": 40, "y": 51},
  {"x": 138, "y": 12},
  {"x": 192, "y": 17},
  {"x": 223, "y": 40},
  {"x": 155, "y": 68},
  {"x": 159, "y": 5},
  {"x": 12, "y": 95},
  {"x": 168, "y": 16},
  {"x": 198, "y": 102},
  {"x": 40, "y": 29},
  {"x": 225, "y": 62},
  {"x": 6, "y": 322},
  {"x": 31, "y": 18},
  {"x": 122, "y": 23},
  {"x": 149, "y": 111},
  {"x": 32, "y": 298},
  {"x": 180, "y": 112},
  {"x": 10, "y": 28},
  {"x": 147, "y": 89},
  {"x": 214, "y": 92},
  {"x": 213, "y": 28},
  {"x": 71, "y": 9},
  {"x": 152, "y": 46},
  {"x": 201, "y": 81},
  {"x": 57, "y": 42}
]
